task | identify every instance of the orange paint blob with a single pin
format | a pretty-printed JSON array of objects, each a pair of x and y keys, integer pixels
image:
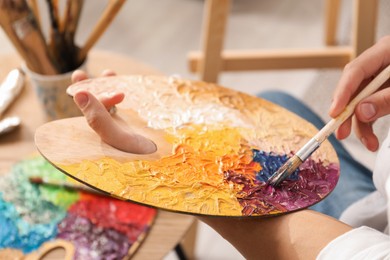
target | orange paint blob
[{"x": 190, "y": 180}]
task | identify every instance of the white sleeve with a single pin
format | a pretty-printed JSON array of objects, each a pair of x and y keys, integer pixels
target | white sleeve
[{"x": 359, "y": 243}]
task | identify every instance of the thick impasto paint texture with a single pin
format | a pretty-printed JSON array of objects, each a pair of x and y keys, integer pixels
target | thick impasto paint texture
[
  {"x": 99, "y": 227},
  {"x": 224, "y": 145}
]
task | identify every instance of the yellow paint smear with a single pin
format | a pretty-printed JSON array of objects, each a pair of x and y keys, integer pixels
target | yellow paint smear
[{"x": 190, "y": 180}]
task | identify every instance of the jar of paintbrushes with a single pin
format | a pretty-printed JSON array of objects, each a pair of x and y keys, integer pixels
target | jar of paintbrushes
[{"x": 49, "y": 60}]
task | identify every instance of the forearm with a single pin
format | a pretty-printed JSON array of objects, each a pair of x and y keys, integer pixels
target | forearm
[{"x": 299, "y": 235}]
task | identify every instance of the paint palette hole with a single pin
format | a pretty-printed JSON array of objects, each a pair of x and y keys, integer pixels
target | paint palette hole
[
  {"x": 55, "y": 253},
  {"x": 135, "y": 144}
]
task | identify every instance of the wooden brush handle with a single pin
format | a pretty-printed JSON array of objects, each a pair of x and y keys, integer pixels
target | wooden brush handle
[
  {"x": 71, "y": 18},
  {"x": 373, "y": 86},
  {"x": 34, "y": 7},
  {"x": 6, "y": 24},
  {"x": 105, "y": 20},
  {"x": 21, "y": 26}
]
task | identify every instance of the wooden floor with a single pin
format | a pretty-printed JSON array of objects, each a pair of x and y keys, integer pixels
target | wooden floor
[{"x": 161, "y": 33}]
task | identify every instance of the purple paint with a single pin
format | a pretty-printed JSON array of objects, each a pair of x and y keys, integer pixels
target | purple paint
[
  {"x": 315, "y": 181},
  {"x": 93, "y": 242}
]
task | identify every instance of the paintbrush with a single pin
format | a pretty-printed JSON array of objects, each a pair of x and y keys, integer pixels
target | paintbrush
[
  {"x": 71, "y": 18},
  {"x": 294, "y": 162},
  {"x": 56, "y": 44},
  {"x": 108, "y": 15},
  {"x": 34, "y": 7},
  {"x": 20, "y": 24},
  {"x": 6, "y": 24},
  {"x": 65, "y": 185},
  {"x": 68, "y": 29}
]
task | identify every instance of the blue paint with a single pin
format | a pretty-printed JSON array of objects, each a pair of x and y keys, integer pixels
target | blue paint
[
  {"x": 15, "y": 232},
  {"x": 270, "y": 163}
]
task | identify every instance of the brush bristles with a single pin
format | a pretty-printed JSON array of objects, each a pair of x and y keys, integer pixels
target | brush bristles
[{"x": 285, "y": 170}]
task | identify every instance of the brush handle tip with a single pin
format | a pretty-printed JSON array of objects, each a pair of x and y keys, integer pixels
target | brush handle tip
[{"x": 36, "y": 180}]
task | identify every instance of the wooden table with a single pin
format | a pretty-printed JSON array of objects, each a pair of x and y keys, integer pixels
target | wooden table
[{"x": 169, "y": 228}]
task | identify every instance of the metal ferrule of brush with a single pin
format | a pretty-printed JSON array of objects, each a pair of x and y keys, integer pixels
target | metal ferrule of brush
[{"x": 309, "y": 148}]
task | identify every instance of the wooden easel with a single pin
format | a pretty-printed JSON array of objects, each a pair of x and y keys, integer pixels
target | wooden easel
[{"x": 212, "y": 59}]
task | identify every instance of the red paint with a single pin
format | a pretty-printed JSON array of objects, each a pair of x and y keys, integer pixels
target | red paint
[{"x": 125, "y": 217}]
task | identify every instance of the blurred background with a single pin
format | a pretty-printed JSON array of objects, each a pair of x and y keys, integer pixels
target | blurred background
[{"x": 161, "y": 33}]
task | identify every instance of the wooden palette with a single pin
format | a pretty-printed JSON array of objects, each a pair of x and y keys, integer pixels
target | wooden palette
[
  {"x": 215, "y": 149},
  {"x": 37, "y": 220}
]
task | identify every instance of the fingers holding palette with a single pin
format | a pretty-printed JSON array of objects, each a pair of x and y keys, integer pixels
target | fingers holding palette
[{"x": 216, "y": 148}]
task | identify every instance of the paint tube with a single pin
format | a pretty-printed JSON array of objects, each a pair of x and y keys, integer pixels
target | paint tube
[{"x": 10, "y": 88}]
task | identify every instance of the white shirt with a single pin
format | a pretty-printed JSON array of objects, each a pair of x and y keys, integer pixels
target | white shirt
[{"x": 369, "y": 216}]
